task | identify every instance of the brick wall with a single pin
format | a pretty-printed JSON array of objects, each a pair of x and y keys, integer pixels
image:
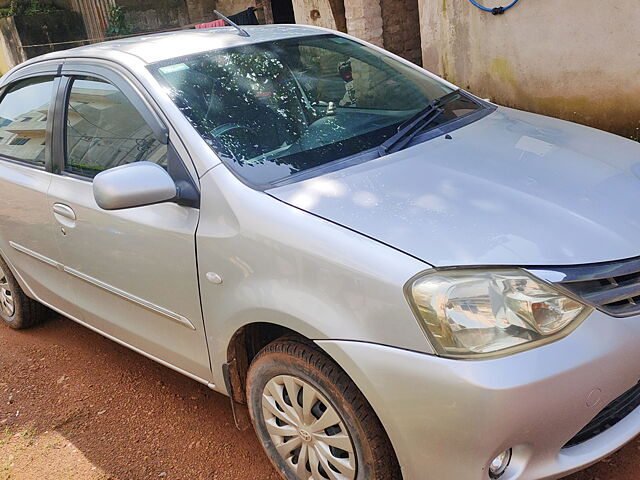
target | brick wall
[
  {"x": 401, "y": 28},
  {"x": 364, "y": 20},
  {"x": 394, "y": 24}
]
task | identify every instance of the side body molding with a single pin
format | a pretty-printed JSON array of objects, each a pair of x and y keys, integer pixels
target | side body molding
[{"x": 132, "y": 298}]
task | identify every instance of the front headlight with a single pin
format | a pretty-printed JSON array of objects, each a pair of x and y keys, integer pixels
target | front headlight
[{"x": 472, "y": 313}]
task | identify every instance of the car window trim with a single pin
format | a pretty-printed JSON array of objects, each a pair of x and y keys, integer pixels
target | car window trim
[
  {"x": 59, "y": 144},
  {"x": 63, "y": 94},
  {"x": 151, "y": 118},
  {"x": 148, "y": 99},
  {"x": 46, "y": 72}
]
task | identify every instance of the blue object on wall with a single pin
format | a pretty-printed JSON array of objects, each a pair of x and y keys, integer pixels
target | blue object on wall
[{"x": 496, "y": 10}]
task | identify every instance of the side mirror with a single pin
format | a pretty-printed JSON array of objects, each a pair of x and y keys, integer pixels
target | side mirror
[{"x": 133, "y": 185}]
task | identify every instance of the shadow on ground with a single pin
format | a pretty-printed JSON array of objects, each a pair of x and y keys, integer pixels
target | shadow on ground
[{"x": 76, "y": 405}]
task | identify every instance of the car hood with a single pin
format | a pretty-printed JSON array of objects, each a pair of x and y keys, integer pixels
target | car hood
[{"x": 513, "y": 188}]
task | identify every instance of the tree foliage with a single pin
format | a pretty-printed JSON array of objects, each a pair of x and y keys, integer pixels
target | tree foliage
[
  {"x": 117, "y": 24},
  {"x": 27, "y": 7}
]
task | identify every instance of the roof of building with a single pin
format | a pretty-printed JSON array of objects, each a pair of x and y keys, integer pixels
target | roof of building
[{"x": 162, "y": 46}]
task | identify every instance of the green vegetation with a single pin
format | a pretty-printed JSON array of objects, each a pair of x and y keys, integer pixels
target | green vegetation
[
  {"x": 27, "y": 7},
  {"x": 29, "y": 434},
  {"x": 117, "y": 24}
]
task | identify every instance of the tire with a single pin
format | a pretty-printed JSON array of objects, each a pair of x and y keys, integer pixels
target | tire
[
  {"x": 16, "y": 309},
  {"x": 339, "y": 431}
]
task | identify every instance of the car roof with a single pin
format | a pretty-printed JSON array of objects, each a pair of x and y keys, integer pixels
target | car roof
[{"x": 163, "y": 46}]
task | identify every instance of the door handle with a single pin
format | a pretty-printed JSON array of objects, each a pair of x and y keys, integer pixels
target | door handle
[{"x": 64, "y": 211}]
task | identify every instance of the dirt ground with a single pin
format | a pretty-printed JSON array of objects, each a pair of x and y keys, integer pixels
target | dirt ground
[{"x": 75, "y": 406}]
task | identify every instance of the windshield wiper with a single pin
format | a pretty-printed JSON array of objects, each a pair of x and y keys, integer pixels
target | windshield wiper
[{"x": 416, "y": 124}]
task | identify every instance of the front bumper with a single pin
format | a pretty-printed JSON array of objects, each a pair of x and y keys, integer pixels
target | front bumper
[{"x": 450, "y": 418}]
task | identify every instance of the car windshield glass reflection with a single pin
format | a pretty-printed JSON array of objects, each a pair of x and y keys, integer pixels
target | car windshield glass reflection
[{"x": 278, "y": 108}]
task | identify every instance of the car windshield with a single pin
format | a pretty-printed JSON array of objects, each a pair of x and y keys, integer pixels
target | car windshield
[{"x": 271, "y": 110}]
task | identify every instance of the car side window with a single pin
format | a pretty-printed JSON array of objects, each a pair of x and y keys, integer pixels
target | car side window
[
  {"x": 104, "y": 130},
  {"x": 23, "y": 120}
]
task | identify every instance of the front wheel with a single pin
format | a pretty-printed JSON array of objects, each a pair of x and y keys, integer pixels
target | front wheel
[{"x": 312, "y": 420}]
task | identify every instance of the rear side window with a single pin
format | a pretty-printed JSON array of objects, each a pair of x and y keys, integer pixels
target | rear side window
[
  {"x": 104, "y": 130},
  {"x": 23, "y": 120}
]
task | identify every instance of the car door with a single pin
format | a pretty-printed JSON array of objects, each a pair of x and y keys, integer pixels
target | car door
[
  {"x": 26, "y": 224},
  {"x": 134, "y": 271}
]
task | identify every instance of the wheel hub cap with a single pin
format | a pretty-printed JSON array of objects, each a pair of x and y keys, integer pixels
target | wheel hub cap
[
  {"x": 307, "y": 431},
  {"x": 7, "y": 306}
]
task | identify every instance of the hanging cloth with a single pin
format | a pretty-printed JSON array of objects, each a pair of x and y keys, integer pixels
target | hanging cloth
[
  {"x": 246, "y": 17},
  {"x": 215, "y": 23}
]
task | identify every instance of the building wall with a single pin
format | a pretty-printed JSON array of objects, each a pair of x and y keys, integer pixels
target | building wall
[
  {"x": 364, "y": 20},
  {"x": 200, "y": 10},
  {"x": 565, "y": 58},
  {"x": 95, "y": 14},
  {"x": 231, "y": 7},
  {"x": 45, "y": 29},
  {"x": 338, "y": 11},
  {"x": 321, "y": 13},
  {"x": 314, "y": 12},
  {"x": 60, "y": 3},
  {"x": 6, "y": 56},
  {"x": 12, "y": 52},
  {"x": 28, "y": 36},
  {"x": 393, "y": 24},
  {"x": 154, "y": 15},
  {"x": 401, "y": 28}
]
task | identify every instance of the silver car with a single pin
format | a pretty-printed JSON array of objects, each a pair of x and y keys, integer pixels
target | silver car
[{"x": 397, "y": 278}]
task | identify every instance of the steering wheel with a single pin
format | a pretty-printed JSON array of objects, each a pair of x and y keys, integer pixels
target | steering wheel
[
  {"x": 229, "y": 127},
  {"x": 239, "y": 138}
]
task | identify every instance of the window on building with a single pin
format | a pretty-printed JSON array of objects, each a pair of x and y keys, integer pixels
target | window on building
[
  {"x": 26, "y": 99},
  {"x": 104, "y": 130}
]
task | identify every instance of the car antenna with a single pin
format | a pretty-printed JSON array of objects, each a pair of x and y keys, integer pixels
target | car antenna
[{"x": 241, "y": 31}]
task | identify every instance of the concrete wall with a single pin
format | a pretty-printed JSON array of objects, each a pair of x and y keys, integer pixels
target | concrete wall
[
  {"x": 12, "y": 51},
  {"x": 60, "y": 3},
  {"x": 154, "y": 15},
  {"x": 20, "y": 34},
  {"x": 574, "y": 59},
  {"x": 6, "y": 56},
  {"x": 48, "y": 28},
  {"x": 200, "y": 10}
]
